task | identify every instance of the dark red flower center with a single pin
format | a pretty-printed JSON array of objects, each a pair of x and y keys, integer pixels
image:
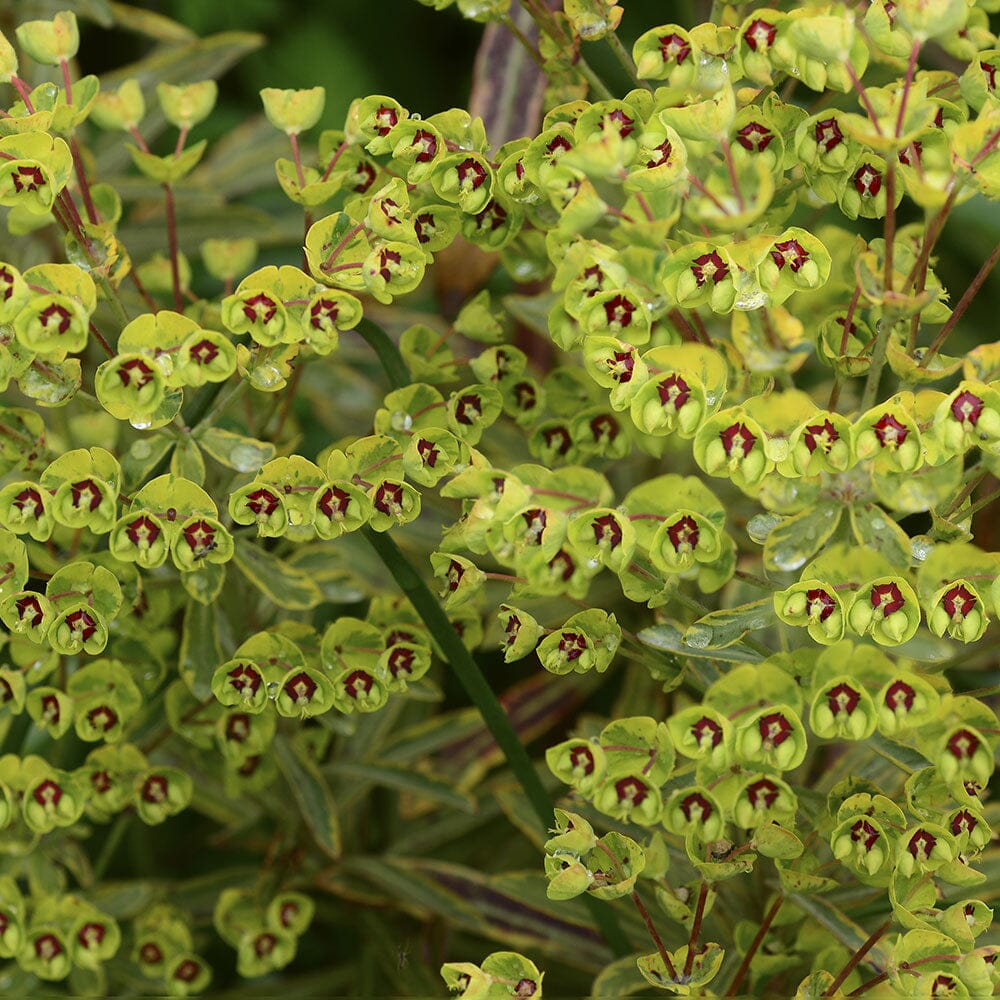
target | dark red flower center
[
  {"x": 684, "y": 534},
  {"x": 709, "y": 266},
  {"x": 471, "y": 174},
  {"x": 774, "y": 729},
  {"x": 962, "y": 744},
  {"x": 887, "y": 597},
  {"x": 358, "y": 682},
  {"x": 673, "y": 391},
  {"x": 842, "y": 698},
  {"x": 572, "y": 645},
  {"x": 260, "y": 308},
  {"x": 27, "y": 178},
  {"x": 822, "y": 436},
  {"x": 200, "y": 536},
  {"x": 737, "y": 440},
  {"x": 238, "y": 727},
  {"x": 143, "y": 531},
  {"x": 55, "y": 317},
  {"x": 135, "y": 373},
  {"x": 245, "y": 678},
  {"x": 899, "y": 695},
  {"x": 155, "y": 789},
  {"x": 911, "y": 154},
  {"x": 300, "y": 688},
  {"x": 921, "y": 844},
  {"x": 963, "y": 822},
  {"x": 400, "y": 661},
  {"x": 759, "y": 35},
  {"x": 966, "y": 407},
  {"x": 864, "y": 833},
  {"x": 696, "y": 808},
  {"x": 889, "y": 431},
  {"x": 662, "y": 154},
  {"x": 427, "y": 144},
  {"x": 828, "y": 134},
  {"x": 562, "y": 565},
  {"x": 674, "y": 48},
  {"x": 187, "y": 971},
  {"x": 789, "y": 252},
  {"x": 607, "y": 530},
  {"x": 91, "y": 934},
  {"x": 335, "y": 501},
  {"x": 604, "y": 427},
  {"x": 150, "y": 954},
  {"x": 558, "y": 439},
  {"x": 389, "y": 498},
  {"x": 625, "y": 125},
  {"x": 387, "y": 118},
  {"x": 618, "y": 310},
  {"x": 82, "y": 624},
  {"x": 526, "y": 395},
  {"x": 582, "y": 759},
  {"x": 47, "y": 793},
  {"x": 264, "y": 944},
  {"x": 867, "y": 181},
  {"x": 86, "y": 493},
  {"x": 958, "y": 602},
  {"x": 29, "y": 502},
  {"x": 468, "y": 409},
  {"x": 706, "y": 729},
  {"x": 762, "y": 793},
  {"x": 631, "y": 790},
  {"x": 103, "y": 718},
  {"x": 29, "y": 611},
  {"x": 204, "y": 352},
  {"x": 820, "y": 604},
  {"x": 754, "y": 137},
  {"x": 48, "y": 947},
  {"x": 262, "y": 502}
]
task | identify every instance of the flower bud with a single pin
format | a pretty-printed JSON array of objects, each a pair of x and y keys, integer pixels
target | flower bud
[
  {"x": 186, "y": 105},
  {"x": 50, "y": 42},
  {"x": 120, "y": 109},
  {"x": 293, "y": 111}
]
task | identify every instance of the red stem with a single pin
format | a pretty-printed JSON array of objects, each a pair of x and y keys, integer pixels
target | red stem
[
  {"x": 855, "y": 959},
  {"x": 765, "y": 926},
  {"x": 657, "y": 940},
  {"x": 963, "y": 304},
  {"x": 699, "y": 913}
]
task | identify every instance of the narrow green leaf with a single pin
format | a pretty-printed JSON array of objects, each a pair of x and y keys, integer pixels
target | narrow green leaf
[
  {"x": 670, "y": 638},
  {"x": 287, "y": 587},
  {"x": 845, "y": 930},
  {"x": 200, "y": 652},
  {"x": 311, "y": 793},
  {"x": 404, "y": 780},
  {"x": 722, "y": 628},
  {"x": 186, "y": 461},
  {"x": 149, "y": 23}
]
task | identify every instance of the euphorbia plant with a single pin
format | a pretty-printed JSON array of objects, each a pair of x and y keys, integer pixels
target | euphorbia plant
[{"x": 694, "y": 443}]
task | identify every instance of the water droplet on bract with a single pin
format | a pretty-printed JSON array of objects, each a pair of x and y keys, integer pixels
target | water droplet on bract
[
  {"x": 141, "y": 425},
  {"x": 761, "y": 525},
  {"x": 920, "y": 547},
  {"x": 877, "y": 523},
  {"x": 401, "y": 421},
  {"x": 788, "y": 560},
  {"x": 697, "y": 636}
]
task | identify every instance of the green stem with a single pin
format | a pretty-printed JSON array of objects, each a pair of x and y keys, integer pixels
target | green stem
[
  {"x": 471, "y": 678},
  {"x": 110, "y": 845},
  {"x": 877, "y": 364},
  {"x": 387, "y": 352},
  {"x": 623, "y": 57},
  {"x": 596, "y": 84}
]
